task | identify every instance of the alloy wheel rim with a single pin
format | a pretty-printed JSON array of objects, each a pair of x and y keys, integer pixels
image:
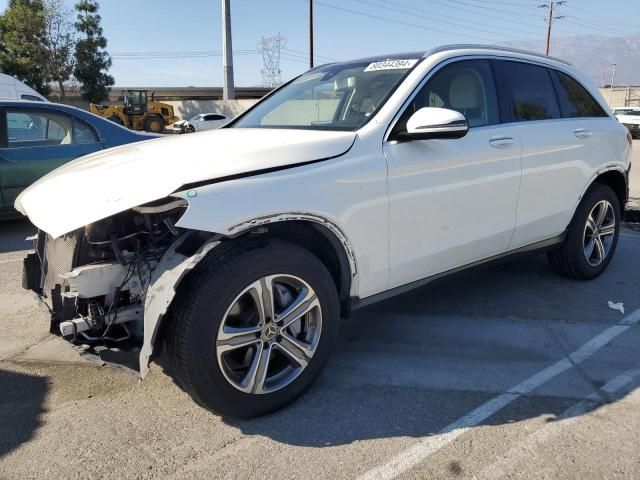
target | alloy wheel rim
[
  {"x": 269, "y": 334},
  {"x": 599, "y": 233}
]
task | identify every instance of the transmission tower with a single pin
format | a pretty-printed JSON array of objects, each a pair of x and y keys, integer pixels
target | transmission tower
[{"x": 270, "y": 48}]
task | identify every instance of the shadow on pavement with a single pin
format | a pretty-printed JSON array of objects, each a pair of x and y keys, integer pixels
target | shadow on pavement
[
  {"x": 330, "y": 416},
  {"x": 13, "y": 234},
  {"x": 411, "y": 366},
  {"x": 21, "y": 405}
]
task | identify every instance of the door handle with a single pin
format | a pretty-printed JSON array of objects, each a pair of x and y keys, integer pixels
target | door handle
[
  {"x": 498, "y": 142},
  {"x": 582, "y": 133}
]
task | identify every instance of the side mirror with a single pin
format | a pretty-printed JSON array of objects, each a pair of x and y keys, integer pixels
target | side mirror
[{"x": 436, "y": 123}]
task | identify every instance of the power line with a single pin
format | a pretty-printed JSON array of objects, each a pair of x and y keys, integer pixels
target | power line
[
  {"x": 492, "y": 16},
  {"x": 582, "y": 23},
  {"x": 501, "y": 10},
  {"x": 455, "y": 24},
  {"x": 305, "y": 54},
  {"x": 457, "y": 18},
  {"x": 501, "y": 3},
  {"x": 399, "y": 22},
  {"x": 602, "y": 18}
]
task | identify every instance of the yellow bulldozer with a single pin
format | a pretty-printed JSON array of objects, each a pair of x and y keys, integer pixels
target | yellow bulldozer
[{"x": 139, "y": 111}]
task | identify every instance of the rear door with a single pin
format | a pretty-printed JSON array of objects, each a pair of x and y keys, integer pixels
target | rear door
[
  {"x": 558, "y": 146},
  {"x": 35, "y": 142}
]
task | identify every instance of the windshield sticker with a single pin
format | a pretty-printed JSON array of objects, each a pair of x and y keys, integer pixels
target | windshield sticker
[{"x": 391, "y": 65}]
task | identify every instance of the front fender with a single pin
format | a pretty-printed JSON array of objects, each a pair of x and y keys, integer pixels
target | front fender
[{"x": 166, "y": 278}]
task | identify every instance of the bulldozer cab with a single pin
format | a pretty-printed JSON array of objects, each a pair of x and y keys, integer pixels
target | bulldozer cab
[{"x": 135, "y": 102}]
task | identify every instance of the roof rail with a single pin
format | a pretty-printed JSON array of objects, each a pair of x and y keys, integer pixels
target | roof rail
[{"x": 446, "y": 48}]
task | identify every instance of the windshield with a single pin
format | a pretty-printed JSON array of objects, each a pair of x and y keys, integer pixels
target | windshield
[
  {"x": 627, "y": 111},
  {"x": 335, "y": 97},
  {"x": 135, "y": 98},
  {"x": 196, "y": 118}
]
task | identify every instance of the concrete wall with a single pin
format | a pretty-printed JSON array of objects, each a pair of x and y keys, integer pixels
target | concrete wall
[
  {"x": 622, "y": 96},
  {"x": 185, "y": 109}
]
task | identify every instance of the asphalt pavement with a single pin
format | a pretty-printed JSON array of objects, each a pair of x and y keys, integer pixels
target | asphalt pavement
[{"x": 508, "y": 371}]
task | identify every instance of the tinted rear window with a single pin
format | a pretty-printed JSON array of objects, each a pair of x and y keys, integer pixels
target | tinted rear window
[
  {"x": 575, "y": 100},
  {"x": 532, "y": 96}
]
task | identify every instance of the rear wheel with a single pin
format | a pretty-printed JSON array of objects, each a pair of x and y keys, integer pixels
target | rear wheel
[
  {"x": 592, "y": 236},
  {"x": 154, "y": 124},
  {"x": 253, "y": 328}
]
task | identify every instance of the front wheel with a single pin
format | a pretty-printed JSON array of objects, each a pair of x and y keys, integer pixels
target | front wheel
[
  {"x": 592, "y": 236},
  {"x": 254, "y": 327},
  {"x": 154, "y": 124}
]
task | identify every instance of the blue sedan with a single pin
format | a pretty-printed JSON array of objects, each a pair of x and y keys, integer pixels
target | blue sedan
[{"x": 38, "y": 137}]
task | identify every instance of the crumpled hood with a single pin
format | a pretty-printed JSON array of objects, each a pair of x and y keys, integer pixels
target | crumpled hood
[{"x": 108, "y": 182}]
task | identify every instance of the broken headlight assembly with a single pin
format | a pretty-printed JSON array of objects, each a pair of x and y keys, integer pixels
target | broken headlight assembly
[{"x": 94, "y": 279}]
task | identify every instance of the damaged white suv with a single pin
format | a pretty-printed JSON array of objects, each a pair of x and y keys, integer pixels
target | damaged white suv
[{"x": 239, "y": 249}]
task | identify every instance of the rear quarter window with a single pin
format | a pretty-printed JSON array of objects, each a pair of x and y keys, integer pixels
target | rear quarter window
[
  {"x": 83, "y": 132},
  {"x": 531, "y": 92},
  {"x": 33, "y": 98},
  {"x": 575, "y": 100}
]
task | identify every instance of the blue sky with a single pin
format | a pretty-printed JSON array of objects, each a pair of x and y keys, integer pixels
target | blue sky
[{"x": 189, "y": 31}]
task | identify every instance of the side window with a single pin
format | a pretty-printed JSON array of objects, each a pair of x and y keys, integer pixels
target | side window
[
  {"x": 575, "y": 100},
  {"x": 36, "y": 128},
  {"x": 213, "y": 117},
  {"x": 532, "y": 96},
  {"x": 83, "y": 132},
  {"x": 33, "y": 98},
  {"x": 467, "y": 86}
]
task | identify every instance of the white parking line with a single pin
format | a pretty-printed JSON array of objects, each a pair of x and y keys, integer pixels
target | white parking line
[
  {"x": 526, "y": 447},
  {"x": 410, "y": 457},
  {"x": 12, "y": 260}
]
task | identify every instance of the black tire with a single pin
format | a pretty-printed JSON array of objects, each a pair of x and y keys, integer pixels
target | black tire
[
  {"x": 569, "y": 259},
  {"x": 115, "y": 119},
  {"x": 190, "y": 129},
  {"x": 205, "y": 296},
  {"x": 154, "y": 124}
]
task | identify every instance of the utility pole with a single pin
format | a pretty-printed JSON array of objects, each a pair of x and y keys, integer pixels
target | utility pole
[
  {"x": 551, "y": 19},
  {"x": 310, "y": 33},
  {"x": 228, "y": 90},
  {"x": 613, "y": 77}
]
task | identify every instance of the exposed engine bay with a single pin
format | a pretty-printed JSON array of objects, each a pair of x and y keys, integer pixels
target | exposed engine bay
[{"x": 94, "y": 280}]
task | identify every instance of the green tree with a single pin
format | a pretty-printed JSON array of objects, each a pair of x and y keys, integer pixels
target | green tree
[
  {"x": 92, "y": 60},
  {"x": 60, "y": 42},
  {"x": 23, "y": 53}
]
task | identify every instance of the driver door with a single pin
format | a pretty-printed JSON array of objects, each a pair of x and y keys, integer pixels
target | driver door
[{"x": 453, "y": 201}]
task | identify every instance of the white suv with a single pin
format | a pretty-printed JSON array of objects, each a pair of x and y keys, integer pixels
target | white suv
[{"x": 241, "y": 248}]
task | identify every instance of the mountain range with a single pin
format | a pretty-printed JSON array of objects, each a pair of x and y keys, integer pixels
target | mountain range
[{"x": 595, "y": 54}]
